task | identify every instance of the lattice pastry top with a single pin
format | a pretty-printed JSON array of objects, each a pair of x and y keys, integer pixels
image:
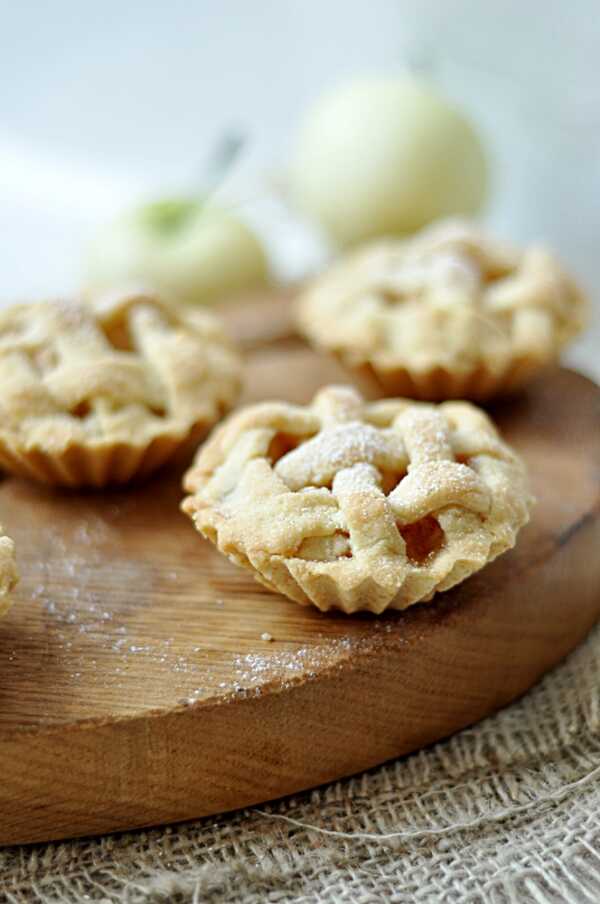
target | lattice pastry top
[
  {"x": 449, "y": 313},
  {"x": 355, "y": 505},
  {"x": 105, "y": 392},
  {"x": 8, "y": 571}
]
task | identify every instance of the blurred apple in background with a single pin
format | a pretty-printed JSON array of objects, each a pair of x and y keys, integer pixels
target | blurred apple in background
[
  {"x": 189, "y": 250},
  {"x": 384, "y": 156},
  {"x": 379, "y": 156}
]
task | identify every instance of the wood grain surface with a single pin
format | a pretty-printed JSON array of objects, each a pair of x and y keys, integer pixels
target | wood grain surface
[{"x": 137, "y": 683}]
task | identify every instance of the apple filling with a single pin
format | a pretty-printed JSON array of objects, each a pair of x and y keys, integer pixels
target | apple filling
[{"x": 423, "y": 539}]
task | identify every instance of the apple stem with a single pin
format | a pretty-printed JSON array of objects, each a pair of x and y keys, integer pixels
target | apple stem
[
  {"x": 419, "y": 59},
  {"x": 223, "y": 156}
]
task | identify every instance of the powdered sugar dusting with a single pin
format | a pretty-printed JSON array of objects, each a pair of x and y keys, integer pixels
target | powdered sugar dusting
[
  {"x": 426, "y": 435},
  {"x": 318, "y": 460}
]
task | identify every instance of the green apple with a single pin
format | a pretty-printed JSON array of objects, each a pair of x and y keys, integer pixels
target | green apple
[
  {"x": 189, "y": 250},
  {"x": 384, "y": 156}
]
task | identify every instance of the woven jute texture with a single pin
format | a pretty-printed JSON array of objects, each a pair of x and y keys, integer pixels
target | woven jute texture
[{"x": 507, "y": 811}]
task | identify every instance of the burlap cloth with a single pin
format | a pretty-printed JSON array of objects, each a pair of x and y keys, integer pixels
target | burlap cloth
[{"x": 506, "y": 811}]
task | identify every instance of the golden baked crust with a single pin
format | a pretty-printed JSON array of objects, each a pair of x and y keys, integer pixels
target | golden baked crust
[
  {"x": 8, "y": 571},
  {"x": 449, "y": 313},
  {"x": 96, "y": 394},
  {"x": 358, "y": 505}
]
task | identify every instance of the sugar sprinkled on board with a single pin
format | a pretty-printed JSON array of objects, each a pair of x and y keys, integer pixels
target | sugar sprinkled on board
[
  {"x": 110, "y": 648},
  {"x": 253, "y": 671},
  {"x": 67, "y": 586}
]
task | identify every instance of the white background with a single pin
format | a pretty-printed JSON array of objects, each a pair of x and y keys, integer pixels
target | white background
[{"x": 105, "y": 103}]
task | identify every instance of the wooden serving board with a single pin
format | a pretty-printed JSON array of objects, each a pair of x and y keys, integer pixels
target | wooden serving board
[{"x": 136, "y": 686}]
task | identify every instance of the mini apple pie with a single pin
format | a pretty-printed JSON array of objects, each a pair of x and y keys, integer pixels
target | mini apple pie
[
  {"x": 449, "y": 313},
  {"x": 8, "y": 571},
  {"x": 355, "y": 505},
  {"x": 100, "y": 394}
]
